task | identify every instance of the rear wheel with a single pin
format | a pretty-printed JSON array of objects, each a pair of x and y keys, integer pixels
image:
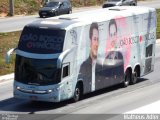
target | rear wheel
[
  {"x": 134, "y": 77},
  {"x": 133, "y": 4},
  {"x": 127, "y": 78},
  {"x": 70, "y": 11},
  {"x": 77, "y": 93},
  {"x": 41, "y": 16}
]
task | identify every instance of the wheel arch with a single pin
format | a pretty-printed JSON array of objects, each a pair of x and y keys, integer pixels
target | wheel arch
[
  {"x": 138, "y": 69},
  {"x": 129, "y": 68},
  {"x": 80, "y": 82}
]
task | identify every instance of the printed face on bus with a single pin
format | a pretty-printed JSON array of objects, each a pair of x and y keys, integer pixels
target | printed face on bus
[
  {"x": 94, "y": 43},
  {"x": 113, "y": 33}
]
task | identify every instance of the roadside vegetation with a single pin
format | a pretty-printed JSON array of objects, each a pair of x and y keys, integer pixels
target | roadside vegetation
[
  {"x": 7, "y": 41},
  {"x": 21, "y": 7},
  {"x": 28, "y": 7},
  {"x": 158, "y": 23}
]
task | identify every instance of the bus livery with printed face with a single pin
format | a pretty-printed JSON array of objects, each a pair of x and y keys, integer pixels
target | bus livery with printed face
[{"x": 67, "y": 56}]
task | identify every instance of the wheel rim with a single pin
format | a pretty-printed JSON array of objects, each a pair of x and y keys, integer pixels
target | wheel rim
[
  {"x": 135, "y": 77},
  {"x": 127, "y": 80},
  {"x": 70, "y": 12},
  {"x": 77, "y": 94}
]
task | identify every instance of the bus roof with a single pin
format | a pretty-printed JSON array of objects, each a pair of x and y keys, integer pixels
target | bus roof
[{"x": 87, "y": 17}]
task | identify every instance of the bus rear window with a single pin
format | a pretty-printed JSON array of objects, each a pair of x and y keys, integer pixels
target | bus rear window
[{"x": 42, "y": 41}]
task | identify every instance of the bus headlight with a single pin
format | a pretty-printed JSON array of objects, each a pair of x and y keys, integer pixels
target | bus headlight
[
  {"x": 18, "y": 88},
  {"x": 49, "y": 91}
]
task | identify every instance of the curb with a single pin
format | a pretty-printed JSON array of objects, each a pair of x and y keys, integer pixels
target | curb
[
  {"x": 11, "y": 76},
  {"x": 6, "y": 77},
  {"x": 158, "y": 41}
]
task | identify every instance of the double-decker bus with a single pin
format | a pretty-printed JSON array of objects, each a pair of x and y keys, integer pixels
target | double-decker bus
[{"x": 68, "y": 56}]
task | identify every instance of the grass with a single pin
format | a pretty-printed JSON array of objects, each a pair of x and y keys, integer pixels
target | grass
[
  {"x": 81, "y": 3},
  {"x": 7, "y": 41},
  {"x": 27, "y": 7},
  {"x": 10, "y": 40},
  {"x": 21, "y": 6},
  {"x": 158, "y": 23}
]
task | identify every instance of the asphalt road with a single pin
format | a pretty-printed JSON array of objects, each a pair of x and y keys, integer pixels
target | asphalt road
[
  {"x": 18, "y": 22},
  {"x": 103, "y": 104}
]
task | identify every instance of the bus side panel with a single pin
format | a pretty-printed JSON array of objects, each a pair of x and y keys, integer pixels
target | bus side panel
[
  {"x": 70, "y": 62},
  {"x": 110, "y": 63},
  {"x": 122, "y": 42},
  {"x": 108, "y": 67},
  {"x": 84, "y": 61}
]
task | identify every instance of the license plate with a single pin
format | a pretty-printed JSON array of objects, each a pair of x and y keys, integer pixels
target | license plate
[{"x": 33, "y": 97}]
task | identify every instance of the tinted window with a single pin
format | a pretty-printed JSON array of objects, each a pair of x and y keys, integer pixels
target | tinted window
[
  {"x": 65, "y": 5},
  {"x": 149, "y": 50},
  {"x": 52, "y": 4},
  {"x": 65, "y": 71},
  {"x": 37, "y": 71},
  {"x": 43, "y": 41}
]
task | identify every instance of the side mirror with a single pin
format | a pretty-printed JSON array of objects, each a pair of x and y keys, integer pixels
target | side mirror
[{"x": 8, "y": 54}]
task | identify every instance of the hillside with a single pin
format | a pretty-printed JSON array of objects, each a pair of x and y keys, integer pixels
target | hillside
[
  {"x": 32, "y": 6},
  {"x": 20, "y": 6}
]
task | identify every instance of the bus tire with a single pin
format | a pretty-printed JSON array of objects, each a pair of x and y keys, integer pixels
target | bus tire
[
  {"x": 134, "y": 77},
  {"x": 127, "y": 79},
  {"x": 70, "y": 11},
  {"x": 77, "y": 93}
]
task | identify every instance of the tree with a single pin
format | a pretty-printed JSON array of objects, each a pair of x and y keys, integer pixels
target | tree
[{"x": 11, "y": 7}]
